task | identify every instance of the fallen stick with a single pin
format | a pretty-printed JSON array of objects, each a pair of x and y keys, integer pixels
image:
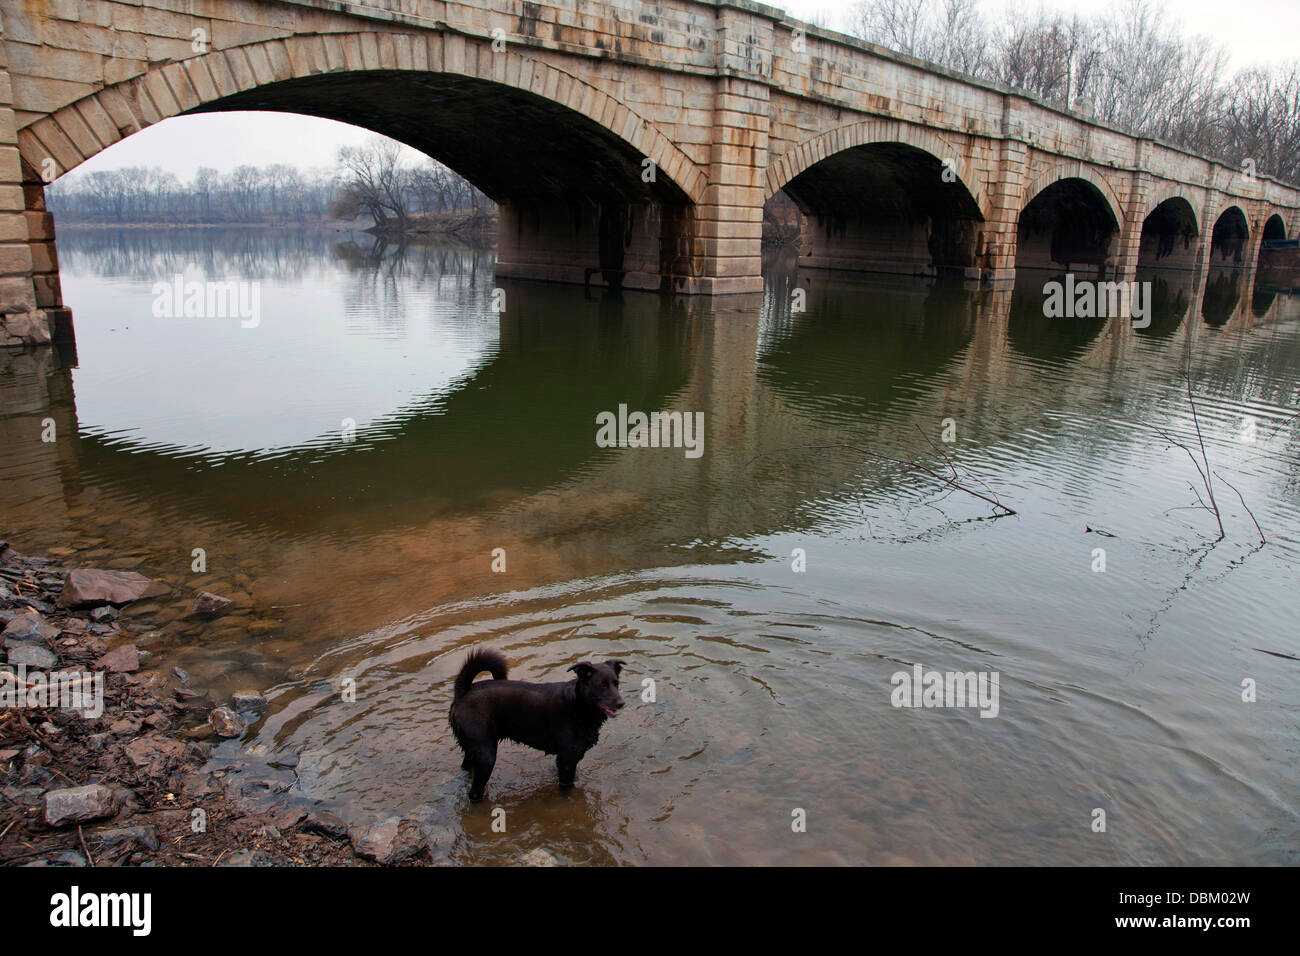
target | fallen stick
[{"x": 909, "y": 465}]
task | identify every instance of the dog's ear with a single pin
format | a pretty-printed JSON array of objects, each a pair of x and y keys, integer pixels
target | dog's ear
[
  {"x": 618, "y": 667},
  {"x": 584, "y": 670}
]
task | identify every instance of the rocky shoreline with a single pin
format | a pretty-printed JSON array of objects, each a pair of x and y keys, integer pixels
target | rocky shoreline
[{"x": 117, "y": 776}]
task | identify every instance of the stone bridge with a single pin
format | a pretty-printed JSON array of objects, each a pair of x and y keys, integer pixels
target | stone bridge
[{"x": 629, "y": 144}]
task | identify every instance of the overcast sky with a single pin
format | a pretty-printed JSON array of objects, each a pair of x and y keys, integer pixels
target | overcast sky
[{"x": 1252, "y": 31}]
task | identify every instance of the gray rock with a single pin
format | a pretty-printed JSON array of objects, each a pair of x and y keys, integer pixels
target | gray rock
[
  {"x": 78, "y": 804},
  {"x": 35, "y": 656},
  {"x": 392, "y": 841},
  {"x": 29, "y": 627},
  {"x": 85, "y": 587},
  {"x": 226, "y": 722},
  {"x": 103, "y": 614},
  {"x": 71, "y": 858},
  {"x": 208, "y": 604},
  {"x": 248, "y": 700}
]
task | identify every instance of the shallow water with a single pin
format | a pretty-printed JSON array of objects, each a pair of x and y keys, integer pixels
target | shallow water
[{"x": 368, "y": 556}]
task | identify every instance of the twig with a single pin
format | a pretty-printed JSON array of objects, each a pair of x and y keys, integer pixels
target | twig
[
  {"x": 90, "y": 860},
  {"x": 1196, "y": 420},
  {"x": 1262, "y": 539},
  {"x": 907, "y": 464},
  {"x": 1290, "y": 657}
]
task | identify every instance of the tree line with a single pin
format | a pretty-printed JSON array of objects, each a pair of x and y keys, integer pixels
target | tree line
[
  {"x": 371, "y": 180},
  {"x": 1130, "y": 68},
  {"x": 278, "y": 192}
]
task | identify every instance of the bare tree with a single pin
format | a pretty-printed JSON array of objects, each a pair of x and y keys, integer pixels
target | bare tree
[
  {"x": 377, "y": 182},
  {"x": 1129, "y": 67}
]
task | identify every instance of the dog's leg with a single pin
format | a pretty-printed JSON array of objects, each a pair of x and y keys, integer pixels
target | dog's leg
[
  {"x": 483, "y": 758},
  {"x": 466, "y": 764},
  {"x": 568, "y": 769}
]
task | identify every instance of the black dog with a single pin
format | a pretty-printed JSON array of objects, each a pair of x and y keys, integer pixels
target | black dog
[{"x": 562, "y": 719}]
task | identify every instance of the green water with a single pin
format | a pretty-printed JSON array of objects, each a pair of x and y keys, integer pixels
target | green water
[{"x": 770, "y": 590}]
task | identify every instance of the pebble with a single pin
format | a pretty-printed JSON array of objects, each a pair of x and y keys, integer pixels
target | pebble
[
  {"x": 391, "y": 841},
  {"x": 208, "y": 604},
  {"x": 226, "y": 723}
]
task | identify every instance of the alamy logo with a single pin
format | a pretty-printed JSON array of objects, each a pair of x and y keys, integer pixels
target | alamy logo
[
  {"x": 202, "y": 299},
  {"x": 74, "y": 908},
  {"x": 74, "y": 690},
  {"x": 656, "y": 430},
  {"x": 922, "y": 688},
  {"x": 1098, "y": 300}
]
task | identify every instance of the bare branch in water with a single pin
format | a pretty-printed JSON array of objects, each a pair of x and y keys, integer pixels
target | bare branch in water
[
  {"x": 909, "y": 465},
  {"x": 1207, "y": 503},
  {"x": 1262, "y": 539}
]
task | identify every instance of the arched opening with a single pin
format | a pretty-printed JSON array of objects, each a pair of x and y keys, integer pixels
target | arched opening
[
  {"x": 1069, "y": 227},
  {"x": 590, "y": 192},
  {"x": 1273, "y": 257},
  {"x": 1169, "y": 235},
  {"x": 889, "y": 208},
  {"x": 578, "y": 203},
  {"x": 1229, "y": 239},
  {"x": 1228, "y": 244}
]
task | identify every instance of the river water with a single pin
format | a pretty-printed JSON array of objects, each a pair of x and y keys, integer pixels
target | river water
[{"x": 352, "y": 463}]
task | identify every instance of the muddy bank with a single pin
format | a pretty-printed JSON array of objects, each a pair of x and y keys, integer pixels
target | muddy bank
[{"x": 104, "y": 758}]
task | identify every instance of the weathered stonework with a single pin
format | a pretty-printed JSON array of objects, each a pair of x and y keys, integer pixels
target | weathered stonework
[{"x": 630, "y": 144}]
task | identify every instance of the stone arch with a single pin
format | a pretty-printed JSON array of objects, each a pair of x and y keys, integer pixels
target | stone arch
[
  {"x": 1274, "y": 227},
  {"x": 1069, "y": 217},
  {"x": 799, "y": 158},
  {"x": 1265, "y": 262},
  {"x": 1162, "y": 194},
  {"x": 1230, "y": 235},
  {"x": 1169, "y": 234},
  {"x": 82, "y": 129},
  {"x": 877, "y": 197},
  {"x": 1076, "y": 170}
]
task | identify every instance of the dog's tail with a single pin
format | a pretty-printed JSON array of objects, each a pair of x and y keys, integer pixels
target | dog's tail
[{"x": 480, "y": 659}]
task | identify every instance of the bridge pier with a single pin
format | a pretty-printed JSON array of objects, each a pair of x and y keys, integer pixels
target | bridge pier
[
  {"x": 31, "y": 304},
  {"x": 997, "y": 245},
  {"x": 631, "y": 149},
  {"x": 617, "y": 245}
]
